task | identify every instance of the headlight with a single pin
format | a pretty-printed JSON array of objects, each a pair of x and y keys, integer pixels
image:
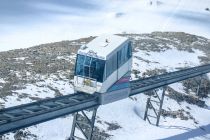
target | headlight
[{"x": 87, "y": 82}]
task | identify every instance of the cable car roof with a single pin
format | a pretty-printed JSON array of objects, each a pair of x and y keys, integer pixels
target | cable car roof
[{"x": 102, "y": 46}]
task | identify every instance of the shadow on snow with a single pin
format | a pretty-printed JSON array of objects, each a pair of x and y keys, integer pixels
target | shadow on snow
[{"x": 198, "y": 132}]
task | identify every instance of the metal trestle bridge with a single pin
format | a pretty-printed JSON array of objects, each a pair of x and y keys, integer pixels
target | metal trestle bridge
[{"x": 22, "y": 116}]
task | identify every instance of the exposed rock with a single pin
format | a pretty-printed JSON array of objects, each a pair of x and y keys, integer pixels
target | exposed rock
[
  {"x": 181, "y": 113},
  {"x": 21, "y": 135},
  {"x": 112, "y": 126},
  {"x": 191, "y": 85},
  {"x": 179, "y": 97}
]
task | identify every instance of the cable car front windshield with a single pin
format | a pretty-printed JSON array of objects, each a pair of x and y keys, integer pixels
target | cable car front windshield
[{"x": 90, "y": 67}]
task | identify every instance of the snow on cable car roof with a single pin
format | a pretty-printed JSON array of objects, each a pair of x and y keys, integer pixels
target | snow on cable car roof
[{"x": 102, "y": 46}]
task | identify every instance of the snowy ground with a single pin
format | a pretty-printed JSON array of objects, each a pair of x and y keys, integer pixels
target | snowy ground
[
  {"x": 159, "y": 59},
  {"x": 49, "y": 22},
  {"x": 127, "y": 113}
]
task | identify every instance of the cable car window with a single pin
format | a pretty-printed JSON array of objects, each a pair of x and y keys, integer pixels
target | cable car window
[
  {"x": 87, "y": 66},
  {"x": 114, "y": 64},
  {"x": 93, "y": 68},
  {"x": 99, "y": 73},
  {"x": 126, "y": 51},
  {"x": 119, "y": 56},
  {"x": 129, "y": 52},
  {"x": 79, "y": 65},
  {"x": 108, "y": 67},
  {"x": 90, "y": 67},
  {"x": 111, "y": 65},
  {"x": 87, "y": 60},
  {"x": 123, "y": 55},
  {"x": 86, "y": 72}
]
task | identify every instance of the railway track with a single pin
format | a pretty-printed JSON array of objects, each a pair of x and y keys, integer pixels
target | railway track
[
  {"x": 142, "y": 85},
  {"x": 22, "y": 116}
]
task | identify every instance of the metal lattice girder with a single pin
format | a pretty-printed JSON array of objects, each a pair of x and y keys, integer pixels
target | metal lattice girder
[
  {"x": 150, "y": 106},
  {"x": 33, "y": 113},
  {"x": 199, "y": 82},
  {"x": 160, "y": 106},
  {"x": 84, "y": 124}
]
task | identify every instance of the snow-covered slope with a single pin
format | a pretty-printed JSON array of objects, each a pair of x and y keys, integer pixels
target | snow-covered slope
[{"x": 44, "y": 73}]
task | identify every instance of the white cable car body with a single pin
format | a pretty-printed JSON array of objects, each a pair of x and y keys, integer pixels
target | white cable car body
[{"x": 103, "y": 66}]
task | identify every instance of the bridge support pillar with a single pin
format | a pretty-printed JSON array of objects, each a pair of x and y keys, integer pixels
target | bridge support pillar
[
  {"x": 154, "y": 107},
  {"x": 199, "y": 82},
  {"x": 83, "y": 125}
]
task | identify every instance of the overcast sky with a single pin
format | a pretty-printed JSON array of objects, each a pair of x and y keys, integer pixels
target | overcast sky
[
  {"x": 16, "y": 11},
  {"x": 24, "y": 23}
]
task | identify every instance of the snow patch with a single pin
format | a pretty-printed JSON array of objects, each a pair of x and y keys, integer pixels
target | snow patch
[
  {"x": 2, "y": 80},
  {"x": 166, "y": 59},
  {"x": 20, "y": 58}
]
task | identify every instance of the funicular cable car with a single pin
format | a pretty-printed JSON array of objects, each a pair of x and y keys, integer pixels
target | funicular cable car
[{"x": 103, "y": 67}]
